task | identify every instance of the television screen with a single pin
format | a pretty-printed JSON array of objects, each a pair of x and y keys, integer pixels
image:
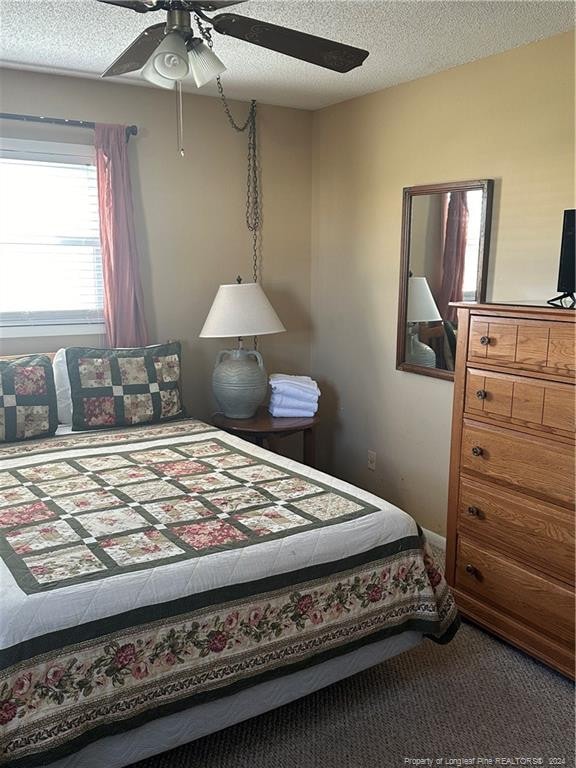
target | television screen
[{"x": 566, "y": 273}]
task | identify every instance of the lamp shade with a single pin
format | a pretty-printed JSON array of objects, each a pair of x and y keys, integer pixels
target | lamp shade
[
  {"x": 241, "y": 309},
  {"x": 204, "y": 64},
  {"x": 421, "y": 305},
  {"x": 151, "y": 74},
  {"x": 170, "y": 59}
]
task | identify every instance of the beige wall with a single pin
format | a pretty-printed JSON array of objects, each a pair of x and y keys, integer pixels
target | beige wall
[
  {"x": 190, "y": 212},
  {"x": 509, "y": 117}
]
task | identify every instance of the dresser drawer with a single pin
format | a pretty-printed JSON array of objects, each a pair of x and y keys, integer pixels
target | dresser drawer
[
  {"x": 546, "y": 405},
  {"x": 537, "y": 533},
  {"x": 538, "y": 465},
  {"x": 532, "y": 345},
  {"x": 542, "y": 603}
]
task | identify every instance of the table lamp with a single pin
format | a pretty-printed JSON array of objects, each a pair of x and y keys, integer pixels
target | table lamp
[
  {"x": 421, "y": 309},
  {"x": 239, "y": 381}
]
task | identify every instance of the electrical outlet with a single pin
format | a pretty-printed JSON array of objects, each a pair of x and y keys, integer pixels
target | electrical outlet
[{"x": 372, "y": 461}]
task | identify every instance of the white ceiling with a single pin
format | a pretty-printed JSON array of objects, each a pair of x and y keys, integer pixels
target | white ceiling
[{"x": 407, "y": 39}]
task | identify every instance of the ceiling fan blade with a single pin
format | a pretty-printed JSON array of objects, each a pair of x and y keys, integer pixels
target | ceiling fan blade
[
  {"x": 316, "y": 50},
  {"x": 138, "y": 52},
  {"x": 141, "y": 6},
  {"x": 212, "y": 5}
]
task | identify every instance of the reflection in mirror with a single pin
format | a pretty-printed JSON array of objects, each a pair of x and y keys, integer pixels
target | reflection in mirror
[
  {"x": 444, "y": 260},
  {"x": 421, "y": 309}
]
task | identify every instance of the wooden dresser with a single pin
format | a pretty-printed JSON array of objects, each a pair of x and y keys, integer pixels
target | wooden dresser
[{"x": 510, "y": 546}]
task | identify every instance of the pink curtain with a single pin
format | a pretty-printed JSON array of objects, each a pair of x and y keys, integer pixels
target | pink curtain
[
  {"x": 123, "y": 300},
  {"x": 454, "y": 255}
]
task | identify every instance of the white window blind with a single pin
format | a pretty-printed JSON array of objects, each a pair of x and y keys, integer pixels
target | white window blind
[{"x": 50, "y": 259}]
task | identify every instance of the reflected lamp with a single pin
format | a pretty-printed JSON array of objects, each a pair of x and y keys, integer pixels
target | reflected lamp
[{"x": 421, "y": 309}]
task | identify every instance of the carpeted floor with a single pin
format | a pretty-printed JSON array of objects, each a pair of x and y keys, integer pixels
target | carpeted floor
[{"x": 476, "y": 697}]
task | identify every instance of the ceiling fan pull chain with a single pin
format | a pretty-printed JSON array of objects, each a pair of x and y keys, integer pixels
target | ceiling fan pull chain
[
  {"x": 204, "y": 31},
  {"x": 179, "y": 119}
]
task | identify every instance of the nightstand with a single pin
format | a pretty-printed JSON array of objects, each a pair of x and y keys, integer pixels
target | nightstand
[{"x": 261, "y": 427}]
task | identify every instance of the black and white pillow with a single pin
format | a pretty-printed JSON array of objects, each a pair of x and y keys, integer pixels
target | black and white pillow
[{"x": 122, "y": 387}]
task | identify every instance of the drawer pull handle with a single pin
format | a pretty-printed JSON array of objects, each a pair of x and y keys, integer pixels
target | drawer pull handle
[
  {"x": 473, "y": 511},
  {"x": 471, "y": 570},
  {"x": 484, "y": 340},
  {"x": 481, "y": 394},
  {"x": 477, "y": 451}
]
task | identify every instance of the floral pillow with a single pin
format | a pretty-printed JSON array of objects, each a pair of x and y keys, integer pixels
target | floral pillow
[
  {"x": 27, "y": 398},
  {"x": 121, "y": 387}
]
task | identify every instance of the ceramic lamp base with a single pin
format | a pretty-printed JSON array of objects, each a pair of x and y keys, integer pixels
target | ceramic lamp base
[
  {"x": 418, "y": 353},
  {"x": 239, "y": 382}
]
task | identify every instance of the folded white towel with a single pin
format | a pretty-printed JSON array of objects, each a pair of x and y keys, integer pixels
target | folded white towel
[
  {"x": 291, "y": 387},
  {"x": 290, "y": 377},
  {"x": 294, "y": 400},
  {"x": 300, "y": 413}
]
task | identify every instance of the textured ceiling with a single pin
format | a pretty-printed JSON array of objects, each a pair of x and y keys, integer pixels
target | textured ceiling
[{"x": 406, "y": 40}]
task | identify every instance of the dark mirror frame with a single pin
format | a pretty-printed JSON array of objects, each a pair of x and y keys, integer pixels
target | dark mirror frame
[{"x": 487, "y": 187}]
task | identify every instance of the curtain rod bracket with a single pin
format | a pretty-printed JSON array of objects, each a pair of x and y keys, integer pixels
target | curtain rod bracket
[{"x": 131, "y": 130}]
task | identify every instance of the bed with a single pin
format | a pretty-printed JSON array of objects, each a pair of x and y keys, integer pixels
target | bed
[{"x": 161, "y": 582}]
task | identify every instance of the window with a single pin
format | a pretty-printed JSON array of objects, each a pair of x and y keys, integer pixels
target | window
[
  {"x": 50, "y": 260},
  {"x": 474, "y": 200}
]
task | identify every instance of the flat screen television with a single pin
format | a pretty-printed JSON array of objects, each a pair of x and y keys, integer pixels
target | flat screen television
[
  {"x": 567, "y": 273},
  {"x": 567, "y": 268}
]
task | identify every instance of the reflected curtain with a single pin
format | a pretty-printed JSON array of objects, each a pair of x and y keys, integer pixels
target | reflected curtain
[
  {"x": 123, "y": 299},
  {"x": 453, "y": 258}
]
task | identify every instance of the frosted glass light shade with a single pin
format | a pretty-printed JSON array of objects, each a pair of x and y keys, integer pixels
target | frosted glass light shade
[
  {"x": 241, "y": 310},
  {"x": 204, "y": 64},
  {"x": 421, "y": 305},
  {"x": 171, "y": 57},
  {"x": 149, "y": 73}
]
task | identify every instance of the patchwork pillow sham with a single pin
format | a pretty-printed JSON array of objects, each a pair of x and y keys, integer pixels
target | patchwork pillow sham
[
  {"x": 122, "y": 387},
  {"x": 27, "y": 398}
]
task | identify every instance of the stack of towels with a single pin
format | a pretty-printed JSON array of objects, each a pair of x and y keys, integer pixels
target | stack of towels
[{"x": 293, "y": 395}]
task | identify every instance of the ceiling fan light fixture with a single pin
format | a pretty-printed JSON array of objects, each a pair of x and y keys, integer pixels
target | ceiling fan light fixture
[
  {"x": 204, "y": 64},
  {"x": 170, "y": 59},
  {"x": 150, "y": 73}
]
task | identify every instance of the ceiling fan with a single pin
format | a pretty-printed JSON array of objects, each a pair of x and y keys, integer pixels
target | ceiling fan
[{"x": 170, "y": 51}]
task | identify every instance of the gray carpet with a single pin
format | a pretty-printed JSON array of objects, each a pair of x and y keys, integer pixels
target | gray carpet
[{"x": 476, "y": 697}]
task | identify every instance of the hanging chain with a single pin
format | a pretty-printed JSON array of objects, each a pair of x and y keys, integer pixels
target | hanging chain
[
  {"x": 252, "y": 186},
  {"x": 253, "y": 191},
  {"x": 253, "y": 218}
]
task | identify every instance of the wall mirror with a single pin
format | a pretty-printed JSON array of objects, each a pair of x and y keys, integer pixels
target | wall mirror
[{"x": 445, "y": 242}]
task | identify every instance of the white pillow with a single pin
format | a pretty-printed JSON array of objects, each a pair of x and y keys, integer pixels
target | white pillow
[{"x": 63, "y": 391}]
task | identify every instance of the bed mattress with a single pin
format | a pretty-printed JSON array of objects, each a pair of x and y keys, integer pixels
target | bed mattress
[{"x": 151, "y": 570}]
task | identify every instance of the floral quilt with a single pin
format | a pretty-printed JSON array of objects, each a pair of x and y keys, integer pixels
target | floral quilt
[
  {"x": 273, "y": 564},
  {"x": 79, "y": 518}
]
